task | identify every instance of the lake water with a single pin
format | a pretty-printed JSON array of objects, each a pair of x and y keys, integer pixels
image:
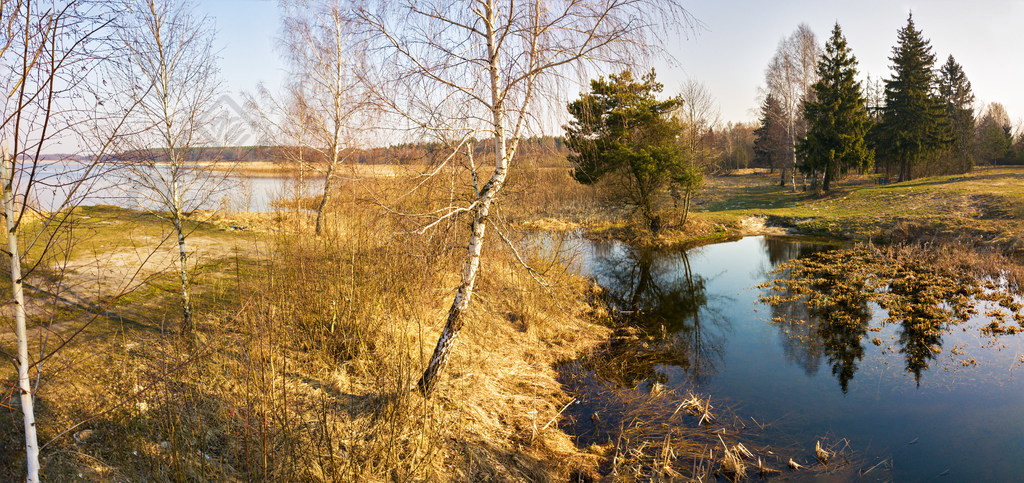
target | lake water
[
  {"x": 107, "y": 185},
  {"x": 911, "y": 402}
]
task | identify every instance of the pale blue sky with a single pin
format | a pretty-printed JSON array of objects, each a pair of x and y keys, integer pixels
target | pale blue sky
[{"x": 730, "y": 54}]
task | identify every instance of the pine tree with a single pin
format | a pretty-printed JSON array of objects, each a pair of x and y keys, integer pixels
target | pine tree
[
  {"x": 837, "y": 118},
  {"x": 621, "y": 129},
  {"x": 955, "y": 91},
  {"x": 913, "y": 122},
  {"x": 771, "y": 139}
]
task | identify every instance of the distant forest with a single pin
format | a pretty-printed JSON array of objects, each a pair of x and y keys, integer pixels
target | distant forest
[
  {"x": 728, "y": 148},
  {"x": 544, "y": 151}
]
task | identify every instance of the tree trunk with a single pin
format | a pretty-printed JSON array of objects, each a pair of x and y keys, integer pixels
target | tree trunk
[
  {"x": 446, "y": 342},
  {"x": 186, "y": 299},
  {"x": 686, "y": 206},
  {"x": 21, "y": 329},
  {"x": 324, "y": 199},
  {"x": 792, "y": 150},
  {"x": 488, "y": 192},
  {"x": 782, "y": 177}
]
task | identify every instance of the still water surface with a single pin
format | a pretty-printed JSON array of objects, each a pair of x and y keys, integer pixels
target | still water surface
[
  {"x": 55, "y": 182},
  {"x": 909, "y": 401}
]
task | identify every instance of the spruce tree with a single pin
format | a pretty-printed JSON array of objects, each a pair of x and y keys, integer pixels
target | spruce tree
[
  {"x": 771, "y": 139},
  {"x": 837, "y": 117},
  {"x": 956, "y": 94},
  {"x": 913, "y": 122}
]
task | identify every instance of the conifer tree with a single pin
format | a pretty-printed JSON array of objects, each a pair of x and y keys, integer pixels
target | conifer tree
[
  {"x": 956, "y": 94},
  {"x": 913, "y": 122},
  {"x": 837, "y": 118},
  {"x": 771, "y": 139},
  {"x": 621, "y": 129}
]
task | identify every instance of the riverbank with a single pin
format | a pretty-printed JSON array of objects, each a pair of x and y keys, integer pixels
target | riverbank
[
  {"x": 282, "y": 168},
  {"x": 982, "y": 209},
  {"x": 307, "y": 347},
  {"x": 305, "y": 353}
]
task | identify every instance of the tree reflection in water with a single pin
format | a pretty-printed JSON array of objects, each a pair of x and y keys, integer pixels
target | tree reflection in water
[
  {"x": 831, "y": 327},
  {"x": 663, "y": 306},
  {"x": 799, "y": 330},
  {"x": 821, "y": 304}
]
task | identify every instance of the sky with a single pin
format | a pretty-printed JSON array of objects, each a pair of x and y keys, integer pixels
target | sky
[{"x": 730, "y": 52}]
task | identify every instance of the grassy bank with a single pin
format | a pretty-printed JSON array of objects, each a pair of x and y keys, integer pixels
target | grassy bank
[
  {"x": 983, "y": 208},
  {"x": 305, "y": 355}
]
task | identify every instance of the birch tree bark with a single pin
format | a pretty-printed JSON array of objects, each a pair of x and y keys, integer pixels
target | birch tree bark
[
  {"x": 52, "y": 60},
  {"x": 789, "y": 77},
  {"x": 453, "y": 69},
  {"x": 21, "y": 331}
]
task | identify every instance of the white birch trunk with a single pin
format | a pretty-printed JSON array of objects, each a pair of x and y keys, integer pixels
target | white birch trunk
[
  {"x": 476, "y": 240},
  {"x": 446, "y": 342},
  {"x": 186, "y": 299},
  {"x": 337, "y": 95},
  {"x": 792, "y": 149},
  {"x": 324, "y": 199},
  {"x": 21, "y": 329}
]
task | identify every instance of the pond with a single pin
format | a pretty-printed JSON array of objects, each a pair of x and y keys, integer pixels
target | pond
[{"x": 912, "y": 404}]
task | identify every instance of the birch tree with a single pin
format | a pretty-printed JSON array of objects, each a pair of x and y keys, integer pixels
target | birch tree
[
  {"x": 325, "y": 104},
  {"x": 52, "y": 59},
  {"x": 172, "y": 75},
  {"x": 456, "y": 68},
  {"x": 790, "y": 74},
  {"x": 700, "y": 117}
]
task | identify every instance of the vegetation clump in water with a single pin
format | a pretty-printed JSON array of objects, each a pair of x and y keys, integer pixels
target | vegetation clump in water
[{"x": 927, "y": 290}]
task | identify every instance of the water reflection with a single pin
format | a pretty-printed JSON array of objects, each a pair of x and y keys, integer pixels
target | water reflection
[
  {"x": 886, "y": 325},
  {"x": 826, "y": 310},
  {"x": 831, "y": 327},
  {"x": 659, "y": 295},
  {"x": 828, "y": 305},
  {"x": 825, "y": 302}
]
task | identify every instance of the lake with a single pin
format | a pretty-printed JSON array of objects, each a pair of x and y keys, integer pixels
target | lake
[
  {"x": 108, "y": 185},
  {"x": 913, "y": 406}
]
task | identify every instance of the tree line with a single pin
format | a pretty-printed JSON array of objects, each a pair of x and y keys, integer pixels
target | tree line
[{"x": 817, "y": 119}]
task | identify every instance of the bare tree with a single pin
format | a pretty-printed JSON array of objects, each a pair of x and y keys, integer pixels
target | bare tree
[
  {"x": 52, "y": 58},
  {"x": 287, "y": 121},
  {"x": 486, "y": 66},
  {"x": 324, "y": 106},
  {"x": 700, "y": 117},
  {"x": 790, "y": 74},
  {"x": 994, "y": 135},
  {"x": 172, "y": 75}
]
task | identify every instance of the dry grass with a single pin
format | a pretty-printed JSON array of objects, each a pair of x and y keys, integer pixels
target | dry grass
[
  {"x": 307, "y": 348},
  {"x": 305, "y": 356}
]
